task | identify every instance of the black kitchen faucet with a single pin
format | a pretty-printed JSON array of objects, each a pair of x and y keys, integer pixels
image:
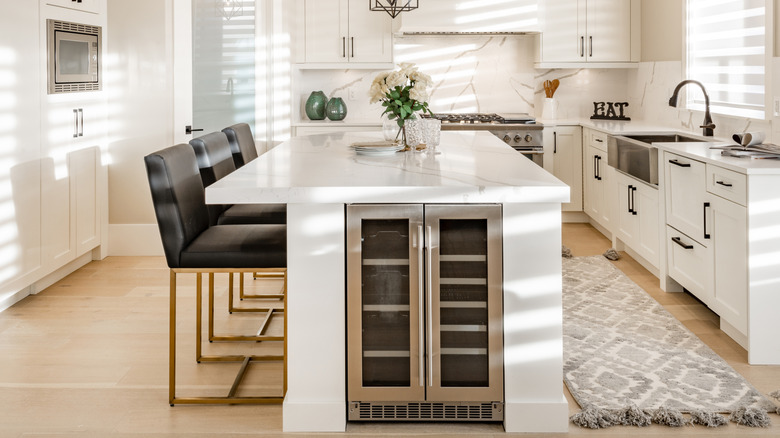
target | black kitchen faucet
[{"x": 708, "y": 126}]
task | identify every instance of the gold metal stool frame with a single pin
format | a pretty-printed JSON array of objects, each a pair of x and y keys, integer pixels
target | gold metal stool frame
[{"x": 231, "y": 398}]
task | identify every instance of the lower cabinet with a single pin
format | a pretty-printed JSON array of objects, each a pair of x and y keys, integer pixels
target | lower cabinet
[
  {"x": 707, "y": 239},
  {"x": 424, "y": 311},
  {"x": 636, "y": 217},
  {"x": 598, "y": 186},
  {"x": 567, "y": 161}
]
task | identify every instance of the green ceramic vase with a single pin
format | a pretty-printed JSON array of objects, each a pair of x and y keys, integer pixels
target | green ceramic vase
[
  {"x": 336, "y": 109},
  {"x": 315, "y": 105}
]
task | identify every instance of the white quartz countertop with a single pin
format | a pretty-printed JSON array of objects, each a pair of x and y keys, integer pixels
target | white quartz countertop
[
  {"x": 696, "y": 150},
  {"x": 473, "y": 167}
]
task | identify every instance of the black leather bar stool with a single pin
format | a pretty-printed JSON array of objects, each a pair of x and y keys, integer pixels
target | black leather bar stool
[
  {"x": 192, "y": 245},
  {"x": 215, "y": 161}
]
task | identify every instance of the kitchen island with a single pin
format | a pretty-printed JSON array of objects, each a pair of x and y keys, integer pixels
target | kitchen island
[{"x": 317, "y": 176}]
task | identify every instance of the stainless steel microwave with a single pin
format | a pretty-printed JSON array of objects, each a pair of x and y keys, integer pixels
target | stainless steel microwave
[{"x": 73, "y": 52}]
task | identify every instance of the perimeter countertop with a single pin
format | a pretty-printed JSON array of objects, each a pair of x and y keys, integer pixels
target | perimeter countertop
[
  {"x": 473, "y": 167},
  {"x": 696, "y": 150}
]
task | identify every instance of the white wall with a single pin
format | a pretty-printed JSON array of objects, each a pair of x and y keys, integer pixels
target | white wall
[{"x": 139, "y": 80}]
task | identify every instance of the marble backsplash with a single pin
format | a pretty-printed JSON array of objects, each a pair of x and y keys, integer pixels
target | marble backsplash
[{"x": 497, "y": 74}]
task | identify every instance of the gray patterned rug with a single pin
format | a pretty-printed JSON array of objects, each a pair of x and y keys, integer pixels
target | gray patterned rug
[{"x": 623, "y": 348}]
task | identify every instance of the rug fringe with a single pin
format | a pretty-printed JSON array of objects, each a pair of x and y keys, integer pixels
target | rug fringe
[
  {"x": 751, "y": 417},
  {"x": 611, "y": 254},
  {"x": 565, "y": 252},
  {"x": 709, "y": 419},
  {"x": 775, "y": 395},
  {"x": 592, "y": 417},
  {"x": 633, "y": 416},
  {"x": 669, "y": 417}
]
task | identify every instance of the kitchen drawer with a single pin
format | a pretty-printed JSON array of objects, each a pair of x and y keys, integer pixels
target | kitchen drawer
[
  {"x": 727, "y": 184},
  {"x": 686, "y": 195},
  {"x": 690, "y": 264},
  {"x": 597, "y": 139}
]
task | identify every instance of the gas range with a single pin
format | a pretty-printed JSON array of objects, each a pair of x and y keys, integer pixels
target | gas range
[{"x": 518, "y": 130}]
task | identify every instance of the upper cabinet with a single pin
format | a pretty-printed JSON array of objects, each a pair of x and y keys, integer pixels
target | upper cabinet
[
  {"x": 345, "y": 31},
  {"x": 91, "y": 6},
  {"x": 468, "y": 16},
  {"x": 596, "y": 33}
]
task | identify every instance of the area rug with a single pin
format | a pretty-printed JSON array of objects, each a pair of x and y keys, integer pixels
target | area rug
[{"x": 622, "y": 348}]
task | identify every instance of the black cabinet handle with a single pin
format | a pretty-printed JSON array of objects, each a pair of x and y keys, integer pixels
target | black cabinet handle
[
  {"x": 679, "y": 242},
  {"x": 555, "y": 142},
  {"x": 590, "y": 47},
  {"x": 628, "y": 192},
  {"x": 343, "y": 47},
  {"x": 706, "y": 206},
  {"x": 597, "y": 167},
  {"x": 724, "y": 184},
  {"x": 677, "y": 163},
  {"x": 352, "y": 43},
  {"x": 582, "y": 47},
  {"x": 633, "y": 201}
]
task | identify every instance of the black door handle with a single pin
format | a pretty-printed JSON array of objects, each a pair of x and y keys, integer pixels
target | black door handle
[
  {"x": 706, "y": 205},
  {"x": 633, "y": 201},
  {"x": 598, "y": 167},
  {"x": 189, "y": 130},
  {"x": 555, "y": 142},
  {"x": 677, "y": 163},
  {"x": 724, "y": 184},
  {"x": 679, "y": 242},
  {"x": 630, "y": 209}
]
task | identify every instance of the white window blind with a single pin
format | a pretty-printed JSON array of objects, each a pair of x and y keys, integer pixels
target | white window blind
[{"x": 726, "y": 45}]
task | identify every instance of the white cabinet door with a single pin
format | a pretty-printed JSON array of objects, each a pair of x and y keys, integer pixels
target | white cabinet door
[
  {"x": 567, "y": 162},
  {"x": 326, "y": 30},
  {"x": 626, "y": 216},
  {"x": 608, "y": 36},
  {"x": 339, "y": 31},
  {"x": 728, "y": 224},
  {"x": 92, "y": 6},
  {"x": 598, "y": 187},
  {"x": 561, "y": 36},
  {"x": 370, "y": 34},
  {"x": 57, "y": 230},
  {"x": 685, "y": 193},
  {"x": 84, "y": 165},
  {"x": 645, "y": 205}
]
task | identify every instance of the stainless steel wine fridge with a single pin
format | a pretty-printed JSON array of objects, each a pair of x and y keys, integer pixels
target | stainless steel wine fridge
[{"x": 424, "y": 313}]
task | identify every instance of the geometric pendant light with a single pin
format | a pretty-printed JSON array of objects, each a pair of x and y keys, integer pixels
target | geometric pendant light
[{"x": 393, "y": 7}]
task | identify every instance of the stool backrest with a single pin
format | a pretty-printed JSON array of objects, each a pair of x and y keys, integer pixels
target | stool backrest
[
  {"x": 178, "y": 197},
  {"x": 242, "y": 143},
  {"x": 215, "y": 161}
]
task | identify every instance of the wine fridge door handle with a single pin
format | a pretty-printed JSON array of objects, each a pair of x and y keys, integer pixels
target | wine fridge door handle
[
  {"x": 421, "y": 294},
  {"x": 429, "y": 292}
]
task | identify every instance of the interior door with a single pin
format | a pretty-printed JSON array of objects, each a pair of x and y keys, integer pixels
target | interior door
[
  {"x": 464, "y": 303},
  {"x": 385, "y": 342}
]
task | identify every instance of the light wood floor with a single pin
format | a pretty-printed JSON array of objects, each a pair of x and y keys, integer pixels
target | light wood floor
[{"x": 88, "y": 357}]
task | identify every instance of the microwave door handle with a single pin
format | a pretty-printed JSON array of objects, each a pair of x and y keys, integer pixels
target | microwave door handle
[
  {"x": 81, "y": 122},
  {"x": 75, "y": 122}
]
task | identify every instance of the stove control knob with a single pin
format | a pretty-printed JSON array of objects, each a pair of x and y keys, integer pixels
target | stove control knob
[
  {"x": 518, "y": 139},
  {"x": 528, "y": 138},
  {"x": 507, "y": 138}
]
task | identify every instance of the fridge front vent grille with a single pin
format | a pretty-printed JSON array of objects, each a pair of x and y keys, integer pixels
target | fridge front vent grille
[{"x": 429, "y": 411}]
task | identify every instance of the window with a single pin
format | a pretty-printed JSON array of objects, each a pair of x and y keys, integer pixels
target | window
[{"x": 727, "y": 51}]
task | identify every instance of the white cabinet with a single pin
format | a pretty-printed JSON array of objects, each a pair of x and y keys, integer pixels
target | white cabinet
[
  {"x": 566, "y": 155},
  {"x": 707, "y": 235},
  {"x": 598, "y": 185},
  {"x": 636, "y": 217},
  {"x": 589, "y": 31},
  {"x": 345, "y": 31},
  {"x": 685, "y": 193},
  {"x": 91, "y": 6}
]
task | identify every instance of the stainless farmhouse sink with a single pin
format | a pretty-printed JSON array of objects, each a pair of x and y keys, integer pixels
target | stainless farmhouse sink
[{"x": 636, "y": 155}]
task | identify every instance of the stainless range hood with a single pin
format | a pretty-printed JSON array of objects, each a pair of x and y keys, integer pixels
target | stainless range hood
[{"x": 470, "y": 17}]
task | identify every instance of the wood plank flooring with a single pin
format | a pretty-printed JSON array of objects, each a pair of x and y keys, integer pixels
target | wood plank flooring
[{"x": 88, "y": 357}]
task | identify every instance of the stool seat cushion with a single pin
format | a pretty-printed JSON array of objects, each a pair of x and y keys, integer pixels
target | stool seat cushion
[
  {"x": 238, "y": 246},
  {"x": 254, "y": 214}
]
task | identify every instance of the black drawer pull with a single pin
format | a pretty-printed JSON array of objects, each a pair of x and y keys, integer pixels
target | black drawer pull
[
  {"x": 679, "y": 242},
  {"x": 706, "y": 206},
  {"x": 724, "y": 184},
  {"x": 677, "y": 163}
]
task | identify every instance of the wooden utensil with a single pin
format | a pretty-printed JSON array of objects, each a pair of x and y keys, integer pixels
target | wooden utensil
[
  {"x": 547, "y": 86},
  {"x": 554, "y": 86}
]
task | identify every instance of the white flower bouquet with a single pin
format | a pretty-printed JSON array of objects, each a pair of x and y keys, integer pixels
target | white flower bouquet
[{"x": 403, "y": 93}]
